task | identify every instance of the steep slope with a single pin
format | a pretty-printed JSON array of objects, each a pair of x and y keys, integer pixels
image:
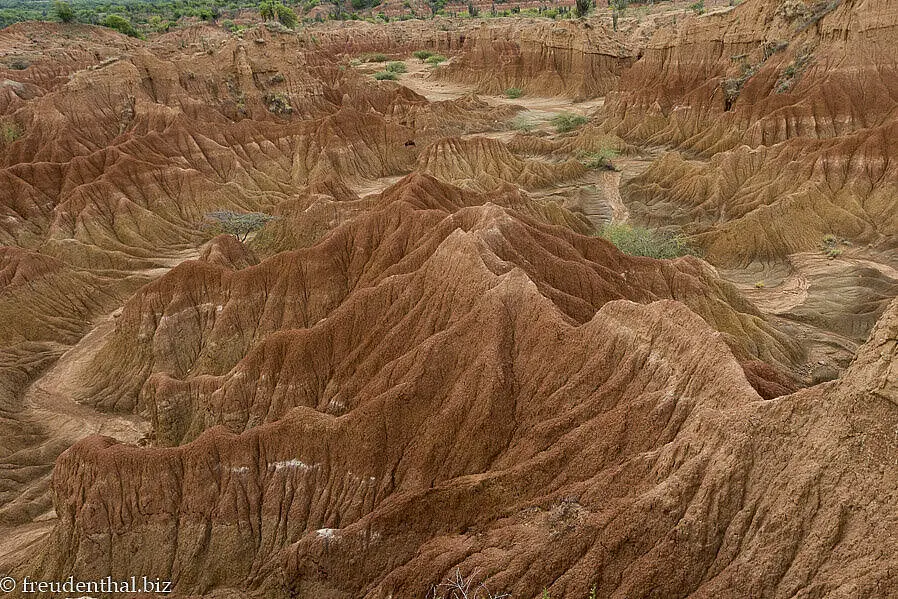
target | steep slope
[
  {"x": 569, "y": 58},
  {"x": 629, "y": 453},
  {"x": 796, "y": 108}
]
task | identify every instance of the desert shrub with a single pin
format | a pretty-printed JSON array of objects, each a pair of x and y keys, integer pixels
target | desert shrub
[
  {"x": 238, "y": 224},
  {"x": 771, "y": 48},
  {"x": 278, "y": 103},
  {"x": 732, "y": 86},
  {"x": 791, "y": 10},
  {"x": 601, "y": 160},
  {"x": 514, "y": 92},
  {"x": 831, "y": 246},
  {"x": 435, "y": 59},
  {"x": 568, "y": 122},
  {"x": 698, "y": 7},
  {"x": 386, "y": 76},
  {"x": 473, "y": 11},
  {"x": 120, "y": 24},
  {"x": 10, "y": 132},
  {"x": 396, "y": 67},
  {"x": 457, "y": 586},
  {"x": 821, "y": 9},
  {"x": 793, "y": 71},
  {"x": 276, "y": 79},
  {"x": 642, "y": 241},
  {"x": 18, "y": 64},
  {"x": 63, "y": 11},
  {"x": 422, "y": 55}
]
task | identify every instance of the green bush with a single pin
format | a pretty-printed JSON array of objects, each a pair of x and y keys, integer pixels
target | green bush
[
  {"x": 435, "y": 59},
  {"x": 698, "y": 7},
  {"x": 386, "y": 76},
  {"x": 64, "y": 11},
  {"x": 120, "y": 24},
  {"x": 422, "y": 55},
  {"x": 514, "y": 92},
  {"x": 396, "y": 67},
  {"x": 642, "y": 241},
  {"x": 568, "y": 122},
  {"x": 278, "y": 103}
]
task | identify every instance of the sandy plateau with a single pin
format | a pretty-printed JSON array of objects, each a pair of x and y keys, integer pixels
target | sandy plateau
[{"x": 431, "y": 361}]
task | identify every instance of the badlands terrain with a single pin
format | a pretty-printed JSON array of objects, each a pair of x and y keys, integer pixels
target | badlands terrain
[{"x": 429, "y": 362}]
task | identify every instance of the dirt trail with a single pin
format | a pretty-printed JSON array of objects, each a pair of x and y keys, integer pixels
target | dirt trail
[{"x": 49, "y": 402}]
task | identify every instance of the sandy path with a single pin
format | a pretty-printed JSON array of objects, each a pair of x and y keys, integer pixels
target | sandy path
[{"x": 50, "y": 403}]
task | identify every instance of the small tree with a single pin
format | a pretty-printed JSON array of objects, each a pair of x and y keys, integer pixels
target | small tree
[
  {"x": 473, "y": 10},
  {"x": 583, "y": 7},
  {"x": 287, "y": 16},
  {"x": 64, "y": 11},
  {"x": 238, "y": 224}
]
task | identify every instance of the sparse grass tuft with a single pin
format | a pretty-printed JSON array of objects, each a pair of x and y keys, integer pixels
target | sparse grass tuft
[
  {"x": 792, "y": 73},
  {"x": 373, "y": 57},
  {"x": 522, "y": 123},
  {"x": 568, "y": 122},
  {"x": 821, "y": 9},
  {"x": 642, "y": 241},
  {"x": 601, "y": 160}
]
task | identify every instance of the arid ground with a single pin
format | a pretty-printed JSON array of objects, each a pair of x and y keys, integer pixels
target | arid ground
[{"x": 430, "y": 361}]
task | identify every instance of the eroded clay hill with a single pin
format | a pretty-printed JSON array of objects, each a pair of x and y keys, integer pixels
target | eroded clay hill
[{"x": 429, "y": 361}]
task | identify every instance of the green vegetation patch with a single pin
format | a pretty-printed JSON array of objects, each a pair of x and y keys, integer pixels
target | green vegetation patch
[
  {"x": 396, "y": 67},
  {"x": 601, "y": 160},
  {"x": 373, "y": 57},
  {"x": 386, "y": 76},
  {"x": 642, "y": 241},
  {"x": 566, "y": 122},
  {"x": 10, "y": 132},
  {"x": 120, "y": 24},
  {"x": 514, "y": 92}
]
